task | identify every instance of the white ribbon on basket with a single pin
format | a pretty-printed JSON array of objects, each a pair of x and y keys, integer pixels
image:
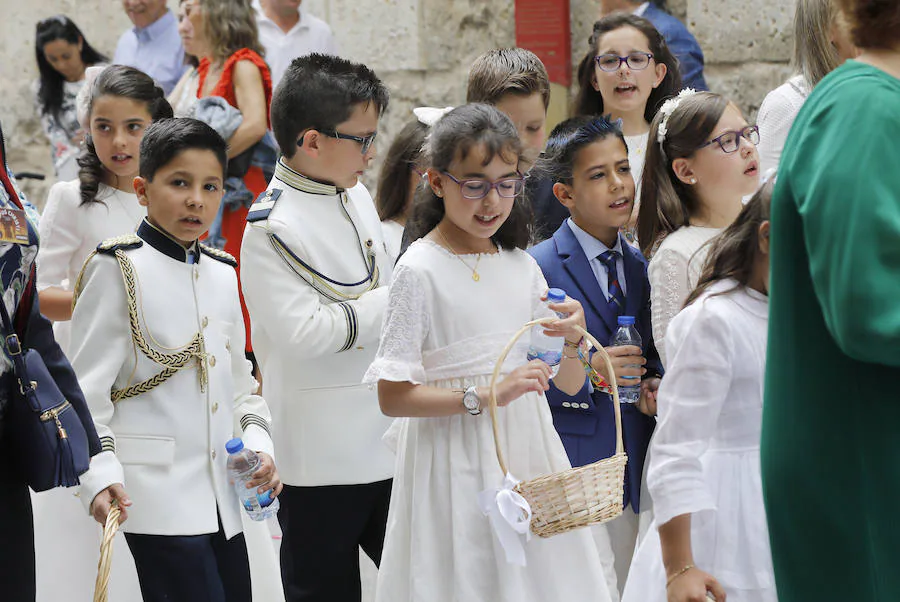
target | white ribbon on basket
[{"x": 510, "y": 517}]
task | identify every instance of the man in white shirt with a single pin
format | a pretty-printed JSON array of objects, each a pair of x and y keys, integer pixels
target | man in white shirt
[{"x": 287, "y": 31}]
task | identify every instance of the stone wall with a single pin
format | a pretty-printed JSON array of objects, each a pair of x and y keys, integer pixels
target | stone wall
[{"x": 421, "y": 48}]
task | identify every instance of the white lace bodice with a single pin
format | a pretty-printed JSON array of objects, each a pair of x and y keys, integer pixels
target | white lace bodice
[
  {"x": 673, "y": 273},
  {"x": 440, "y": 324}
]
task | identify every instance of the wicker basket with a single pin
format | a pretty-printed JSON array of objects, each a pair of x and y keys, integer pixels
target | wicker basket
[
  {"x": 577, "y": 497},
  {"x": 101, "y": 587}
]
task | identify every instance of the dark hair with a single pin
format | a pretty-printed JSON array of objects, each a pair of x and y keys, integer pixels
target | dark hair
[
  {"x": 566, "y": 141},
  {"x": 319, "y": 91},
  {"x": 873, "y": 23},
  {"x": 393, "y": 181},
  {"x": 125, "y": 82},
  {"x": 453, "y": 137},
  {"x": 50, "y": 90},
  {"x": 167, "y": 138},
  {"x": 589, "y": 101},
  {"x": 732, "y": 253},
  {"x": 507, "y": 71},
  {"x": 666, "y": 203}
]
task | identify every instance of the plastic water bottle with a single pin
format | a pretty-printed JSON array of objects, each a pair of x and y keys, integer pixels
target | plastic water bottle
[
  {"x": 544, "y": 348},
  {"x": 242, "y": 463},
  {"x": 627, "y": 334}
]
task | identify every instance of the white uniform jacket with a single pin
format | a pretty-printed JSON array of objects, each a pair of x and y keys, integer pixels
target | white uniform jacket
[
  {"x": 165, "y": 443},
  {"x": 315, "y": 277}
]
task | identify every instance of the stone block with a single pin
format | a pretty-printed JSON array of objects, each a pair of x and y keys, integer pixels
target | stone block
[
  {"x": 731, "y": 31},
  {"x": 747, "y": 84}
]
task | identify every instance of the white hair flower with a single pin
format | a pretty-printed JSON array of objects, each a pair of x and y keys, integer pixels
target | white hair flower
[
  {"x": 667, "y": 109},
  {"x": 430, "y": 115}
]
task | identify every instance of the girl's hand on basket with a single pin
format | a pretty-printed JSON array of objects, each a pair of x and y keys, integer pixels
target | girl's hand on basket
[
  {"x": 532, "y": 377},
  {"x": 102, "y": 503},
  {"x": 565, "y": 327},
  {"x": 623, "y": 360},
  {"x": 266, "y": 477},
  {"x": 693, "y": 587}
]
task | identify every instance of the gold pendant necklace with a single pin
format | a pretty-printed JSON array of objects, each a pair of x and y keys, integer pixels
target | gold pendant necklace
[{"x": 475, "y": 275}]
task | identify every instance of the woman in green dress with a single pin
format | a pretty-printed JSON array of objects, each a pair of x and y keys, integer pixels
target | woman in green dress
[{"x": 831, "y": 423}]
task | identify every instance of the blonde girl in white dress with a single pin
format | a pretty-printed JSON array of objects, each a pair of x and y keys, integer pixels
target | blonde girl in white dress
[
  {"x": 701, "y": 162},
  {"x": 458, "y": 295},
  {"x": 704, "y": 470}
]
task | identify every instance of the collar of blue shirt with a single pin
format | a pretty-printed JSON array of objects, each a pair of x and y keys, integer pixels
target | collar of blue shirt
[
  {"x": 157, "y": 28},
  {"x": 592, "y": 247}
]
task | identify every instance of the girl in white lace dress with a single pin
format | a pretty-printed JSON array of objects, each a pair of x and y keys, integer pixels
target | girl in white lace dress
[
  {"x": 701, "y": 163},
  {"x": 458, "y": 295},
  {"x": 704, "y": 470}
]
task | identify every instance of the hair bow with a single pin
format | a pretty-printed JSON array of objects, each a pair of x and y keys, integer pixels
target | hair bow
[
  {"x": 83, "y": 100},
  {"x": 430, "y": 115}
]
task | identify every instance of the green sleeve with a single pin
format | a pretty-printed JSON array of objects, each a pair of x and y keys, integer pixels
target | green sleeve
[{"x": 844, "y": 175}]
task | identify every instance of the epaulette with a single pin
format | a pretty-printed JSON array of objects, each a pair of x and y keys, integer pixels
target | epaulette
[
  {"x": 263, "y": 205},
  {"x": 125, "y": 242},
  {"x": 218, "y": 255}
]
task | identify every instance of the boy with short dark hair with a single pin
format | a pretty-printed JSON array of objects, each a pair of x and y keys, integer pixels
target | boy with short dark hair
[
  {"x": 315, "y": 276},
  {"x": 157, "y": 344}
]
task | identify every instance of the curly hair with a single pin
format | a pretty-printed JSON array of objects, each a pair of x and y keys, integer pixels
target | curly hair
[{"x": 873, "y": 23}]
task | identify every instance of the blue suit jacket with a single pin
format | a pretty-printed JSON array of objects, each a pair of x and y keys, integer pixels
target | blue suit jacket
[
  {"x": 586, "y": 424},
  {"x": 683, "y": 45}
]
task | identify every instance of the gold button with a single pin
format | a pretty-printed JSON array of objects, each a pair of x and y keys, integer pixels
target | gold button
[
  {"x": 360, "y": 348},
  {"x": 227, "y": 345},
  {"x": 212, "y": 360},
  {"x": 214, "y": 454},
  {"x": 215, "y": 408},
  {"x": 205, "y": 322}
]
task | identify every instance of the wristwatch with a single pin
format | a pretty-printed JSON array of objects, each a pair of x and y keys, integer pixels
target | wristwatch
[{"x": 472, "y": 402}]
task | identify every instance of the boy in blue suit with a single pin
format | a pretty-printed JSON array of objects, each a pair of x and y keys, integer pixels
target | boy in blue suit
[{"x": 587, "y": 161}]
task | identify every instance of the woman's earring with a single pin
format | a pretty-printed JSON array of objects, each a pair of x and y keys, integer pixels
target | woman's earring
[{"x": 693, "y": 181}]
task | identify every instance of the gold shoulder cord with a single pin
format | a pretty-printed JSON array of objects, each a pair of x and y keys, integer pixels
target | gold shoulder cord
[{"x": 171, "y": 362}]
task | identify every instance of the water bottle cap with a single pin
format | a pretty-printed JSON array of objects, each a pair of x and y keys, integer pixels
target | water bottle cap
[
  {"x": 626, "y": 320},
  {"x": 234, "y": 445},
  {"x": 556, "y": 295}
]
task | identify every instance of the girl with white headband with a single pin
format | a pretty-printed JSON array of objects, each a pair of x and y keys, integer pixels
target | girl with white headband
[{"x": 701, "y": 162}]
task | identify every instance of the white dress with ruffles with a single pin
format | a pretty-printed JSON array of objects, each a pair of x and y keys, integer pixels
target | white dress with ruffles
[
  {"x": 704, "y": 458},
  {"x": 444, "y": 329}
]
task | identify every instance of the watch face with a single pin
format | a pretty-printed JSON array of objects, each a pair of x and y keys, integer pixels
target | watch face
[{"x": 470, "y": 400}]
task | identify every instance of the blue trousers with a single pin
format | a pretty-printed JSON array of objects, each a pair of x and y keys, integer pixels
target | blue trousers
[{"x": 192, "y": 568}]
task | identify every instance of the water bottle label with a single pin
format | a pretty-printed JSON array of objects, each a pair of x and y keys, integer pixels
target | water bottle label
[{"x": 551, "y": 358}]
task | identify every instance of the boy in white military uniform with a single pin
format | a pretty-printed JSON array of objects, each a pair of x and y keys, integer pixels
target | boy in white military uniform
[
  {"x": 158, "y": 347},
  {"x": 315, "y": 277}
]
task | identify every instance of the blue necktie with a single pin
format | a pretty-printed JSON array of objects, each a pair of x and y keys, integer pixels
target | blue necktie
[{"x": 616, "y": 296}]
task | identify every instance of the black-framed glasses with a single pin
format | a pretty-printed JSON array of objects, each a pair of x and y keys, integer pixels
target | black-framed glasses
[
  {"x": 476, "y": 189},
  {"x": 637, "y": 61},
  {"x": 730, "y": 141},
  {"x": 365, "y": 142}
]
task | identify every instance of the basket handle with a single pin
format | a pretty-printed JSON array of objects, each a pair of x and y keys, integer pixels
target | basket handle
[
  {"x": 499, "y": 366},
  {"x": 101, "y": 586}
]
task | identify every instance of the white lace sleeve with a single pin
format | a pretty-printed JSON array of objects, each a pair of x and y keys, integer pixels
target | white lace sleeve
[
  {"x": 406, "y": 324},
  {"x": 669, "y": 288}
]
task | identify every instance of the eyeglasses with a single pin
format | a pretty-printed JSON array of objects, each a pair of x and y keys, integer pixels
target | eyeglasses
[
  {"x": 730, "y": 141},
  {"x": 420, "y": 171},
  {"x": 364, "y": 141},
  {"x": 478, "y": 189},
  {"x": 638, "y": 61}
]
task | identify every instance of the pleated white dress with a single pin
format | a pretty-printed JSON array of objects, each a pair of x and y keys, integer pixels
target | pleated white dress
[
  {"x": 704, "y": 458},
  {"x": 444, "y": 329}
]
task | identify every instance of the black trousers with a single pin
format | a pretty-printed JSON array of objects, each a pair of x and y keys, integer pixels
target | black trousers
[
  {"x": 322, "y": 531},
  {"x": 192, "y": 568},
  {"x": 17, "y": 580}
]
